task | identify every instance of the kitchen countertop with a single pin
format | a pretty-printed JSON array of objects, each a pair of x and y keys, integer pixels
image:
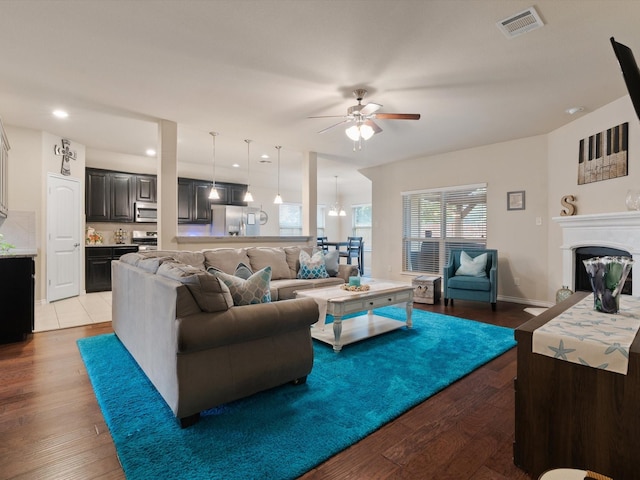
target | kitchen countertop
[
  {"x": 113, "y": 245},
  {"x": 19, "y": 253},
  {"x": 240, "y": 239}
]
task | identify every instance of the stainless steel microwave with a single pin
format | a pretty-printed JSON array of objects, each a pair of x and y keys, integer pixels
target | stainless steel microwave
[{"x": 146, "y": 212}]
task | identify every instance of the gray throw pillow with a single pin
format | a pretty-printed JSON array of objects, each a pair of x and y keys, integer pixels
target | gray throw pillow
[
  {"x": 210, "y": 294},
  {"x": 331, "y": 262}
]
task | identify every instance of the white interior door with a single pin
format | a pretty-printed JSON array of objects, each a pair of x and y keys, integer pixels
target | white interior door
[{"x": 63, "y": 237}]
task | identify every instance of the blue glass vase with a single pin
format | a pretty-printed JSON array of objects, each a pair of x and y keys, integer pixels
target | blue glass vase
[{"x": 607, "y": 276}]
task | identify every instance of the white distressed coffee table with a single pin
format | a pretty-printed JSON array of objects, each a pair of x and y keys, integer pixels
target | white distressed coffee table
[{"x": 338, "y": 302}]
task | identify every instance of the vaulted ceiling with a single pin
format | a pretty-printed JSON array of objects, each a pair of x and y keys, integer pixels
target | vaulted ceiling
[{"x": 258, "y": 68}]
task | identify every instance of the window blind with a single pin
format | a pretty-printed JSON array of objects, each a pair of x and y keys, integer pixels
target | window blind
[{"x": 435, "y": 221}]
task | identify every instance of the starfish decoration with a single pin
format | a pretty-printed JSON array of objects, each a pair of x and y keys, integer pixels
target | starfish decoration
[{"x": 561, "y": 352}]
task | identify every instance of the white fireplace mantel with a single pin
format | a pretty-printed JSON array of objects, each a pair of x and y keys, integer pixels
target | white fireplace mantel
[{"x": 619, "y": 230}]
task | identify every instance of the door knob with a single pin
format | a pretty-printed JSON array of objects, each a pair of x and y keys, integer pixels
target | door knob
[{"x": 76, "y": 244}]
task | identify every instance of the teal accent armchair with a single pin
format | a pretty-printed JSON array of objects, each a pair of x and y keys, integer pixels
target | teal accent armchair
[{"x": 481, "y": 287}]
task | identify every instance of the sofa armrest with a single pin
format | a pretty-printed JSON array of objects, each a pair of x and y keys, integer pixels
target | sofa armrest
[
  {"x": 245, "y": 323},
  {"x": 346, "y": 271}
]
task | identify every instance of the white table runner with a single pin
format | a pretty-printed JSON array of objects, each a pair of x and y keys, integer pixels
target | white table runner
[{"x": 588, "y": 337}]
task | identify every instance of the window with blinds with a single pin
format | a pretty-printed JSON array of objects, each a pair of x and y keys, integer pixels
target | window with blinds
[{"x": 435, "y": 221}]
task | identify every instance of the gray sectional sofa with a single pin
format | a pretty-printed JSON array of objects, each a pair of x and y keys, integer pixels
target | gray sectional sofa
[{"x": 199, "y": 349}]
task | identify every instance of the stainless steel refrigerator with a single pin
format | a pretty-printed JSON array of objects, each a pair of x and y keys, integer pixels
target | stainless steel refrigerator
[{"x": 232, "y": 220}]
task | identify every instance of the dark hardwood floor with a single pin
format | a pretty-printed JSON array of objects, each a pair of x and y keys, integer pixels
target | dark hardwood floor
[{"x": 51, "y": 426}]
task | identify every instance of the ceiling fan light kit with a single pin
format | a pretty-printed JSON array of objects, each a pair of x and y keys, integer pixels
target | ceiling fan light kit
[{"x": 363, "y": 116}]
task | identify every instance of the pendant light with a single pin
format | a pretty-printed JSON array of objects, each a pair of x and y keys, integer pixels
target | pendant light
[
  {"x": 213, "y": 194},
  {"x": 278, "y": 199},
  {"x": 247, "y": 196},
  {"x": 336, "y": 210}
]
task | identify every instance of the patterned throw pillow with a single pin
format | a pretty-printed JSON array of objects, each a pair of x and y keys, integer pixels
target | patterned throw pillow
[
  {"x": 312, "y": 266},
  {"x": 254, "y": 289}
]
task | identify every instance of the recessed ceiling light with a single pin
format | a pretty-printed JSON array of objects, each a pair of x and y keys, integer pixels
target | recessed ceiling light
[
  {"x": 60, "y": 114},
  {"x": 150, "y": 152},
  {"x": 574, "y": 110},
  {"x": 264, "y": 155},
  {"x": 236, "y": 165}
]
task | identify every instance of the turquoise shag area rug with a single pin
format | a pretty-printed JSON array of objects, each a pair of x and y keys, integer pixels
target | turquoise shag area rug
[{"x": 284, "y": 432}]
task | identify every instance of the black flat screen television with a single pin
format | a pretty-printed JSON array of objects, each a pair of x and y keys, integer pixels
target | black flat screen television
[{"x": 630, "y": 72}]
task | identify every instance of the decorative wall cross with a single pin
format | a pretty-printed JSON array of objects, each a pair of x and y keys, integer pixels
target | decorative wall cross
[{"x": 66, "y": 154}]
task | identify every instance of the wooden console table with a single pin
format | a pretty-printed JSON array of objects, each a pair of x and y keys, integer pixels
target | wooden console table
[{"x": 573, "y": 416}]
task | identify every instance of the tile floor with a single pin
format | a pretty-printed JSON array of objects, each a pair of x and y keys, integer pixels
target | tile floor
[{"x": 72, "y": 312}]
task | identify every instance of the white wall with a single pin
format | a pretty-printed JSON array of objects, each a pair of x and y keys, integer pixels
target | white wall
[
  {"x": 504, "y": 167},
  {"x": 600, "y": 197}
]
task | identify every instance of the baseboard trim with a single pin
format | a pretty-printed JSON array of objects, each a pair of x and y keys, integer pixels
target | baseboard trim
[{"x": 525, "y": 301}]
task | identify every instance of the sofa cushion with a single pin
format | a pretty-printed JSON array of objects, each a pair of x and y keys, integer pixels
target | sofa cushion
[
  {"x": 312, "y": 266},
  {"x": 273, "y": 257},
  {"x": 466, "y": 282},
  {"x": 254, "y": 289},
  {"x": 472, "y": 267},
  {"x": 195, "y": 259},
  {"x": 210, "y": 294},
  {"x": 225, "y": 259}
]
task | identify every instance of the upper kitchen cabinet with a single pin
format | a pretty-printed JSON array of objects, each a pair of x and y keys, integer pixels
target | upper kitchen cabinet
[
  {"x": 4, "y": 172},
  {"x": 146, "y": 188},
  {"x": 194, "y": 205},
  {"x": 109, "y": 196}
]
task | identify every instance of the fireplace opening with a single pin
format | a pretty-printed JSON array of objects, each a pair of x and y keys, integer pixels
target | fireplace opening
[{"x": 582, "y": 282}]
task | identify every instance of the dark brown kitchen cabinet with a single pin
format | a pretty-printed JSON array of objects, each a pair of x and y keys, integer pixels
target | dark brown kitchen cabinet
[
  {"x": 146, "y": 188},
  {"x": 97, "y": 195},
  {"x": 201, "y": 202},
  {"x": 122, "y": 197},
  {"x": 194, "y": 205},
  {"x": 109, "y": 196},
  {"x": 16, "y": 297},
  {"x": 185, "y": 202},
  {"x": 98, "y": 266}
]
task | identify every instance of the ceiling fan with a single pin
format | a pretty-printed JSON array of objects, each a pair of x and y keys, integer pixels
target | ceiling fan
[{"x": 362, "y": 117}]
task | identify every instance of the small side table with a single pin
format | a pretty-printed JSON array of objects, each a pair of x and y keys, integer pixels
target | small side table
[{"x": 426, "y": 289}]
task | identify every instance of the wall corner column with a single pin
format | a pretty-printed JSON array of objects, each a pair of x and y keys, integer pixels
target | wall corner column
[
  {"x": 167, "y": 185},
  {"x": 310, "y": 194}
]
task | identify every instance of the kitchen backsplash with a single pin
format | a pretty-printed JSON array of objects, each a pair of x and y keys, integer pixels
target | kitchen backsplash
[
  {"x": 108, "y": 230},
  {"x": 19, "y": 229}
]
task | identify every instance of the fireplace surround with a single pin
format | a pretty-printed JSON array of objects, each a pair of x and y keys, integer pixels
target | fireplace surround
[{"x": 620, "y": 231}]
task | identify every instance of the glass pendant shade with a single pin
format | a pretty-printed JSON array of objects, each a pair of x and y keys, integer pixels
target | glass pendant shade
[
  {"x": 247, "y": 196},
  {"x": 336, "y": 210},
  {"x": 213, "y": 194},
  {"x": 278, "y": 199}
]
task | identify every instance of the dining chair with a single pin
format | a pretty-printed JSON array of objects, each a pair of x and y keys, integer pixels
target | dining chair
[
  {"x": 355, "y": 249},
  {"x": 322, "y": 243}
]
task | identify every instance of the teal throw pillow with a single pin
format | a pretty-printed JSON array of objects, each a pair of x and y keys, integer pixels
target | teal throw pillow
[
  {"x": 312, "y": 266},
  {"x": 472, "y": 267},
  {"x": 254, "y": 289}
]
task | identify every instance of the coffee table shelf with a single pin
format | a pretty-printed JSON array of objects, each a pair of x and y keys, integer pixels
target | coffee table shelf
[{"x": 338, "y": 303}]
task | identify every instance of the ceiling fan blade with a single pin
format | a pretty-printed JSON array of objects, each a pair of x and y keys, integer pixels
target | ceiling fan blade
[
  {"x": 330, "y": 116},
  {"x": 374, "y": 125},
  {"x": 397, "y": 116},
  {"x": 370, "y": 108},
  {"x": 334, "y": 125}
]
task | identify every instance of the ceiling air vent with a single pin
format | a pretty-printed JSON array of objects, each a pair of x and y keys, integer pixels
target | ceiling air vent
[{"x": 520, "y": 23}]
